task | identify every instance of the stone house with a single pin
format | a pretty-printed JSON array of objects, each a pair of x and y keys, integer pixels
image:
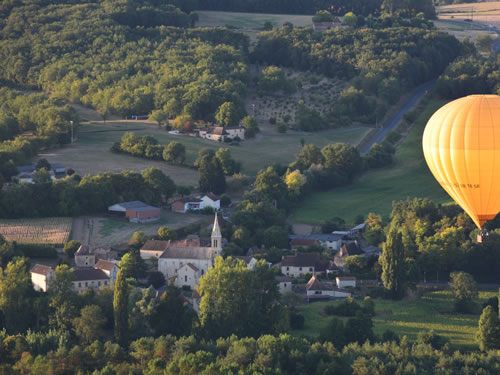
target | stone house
[
  {"x": 84, "y": 278},
  {"x": 40, "y": 277},
  {"x": 108, "y": 267}
]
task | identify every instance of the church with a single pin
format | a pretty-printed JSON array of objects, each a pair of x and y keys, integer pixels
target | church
[{"x": 187, "y": 261}]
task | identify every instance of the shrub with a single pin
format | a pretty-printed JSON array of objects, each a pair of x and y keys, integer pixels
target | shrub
[
  {"x": 296, "y": 321},
  {"x": 37, "y": 250},
  {"x": 71, "y": 247}
]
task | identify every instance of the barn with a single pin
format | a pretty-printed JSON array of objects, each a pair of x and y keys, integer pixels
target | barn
[{"x": 136, "y": 211}]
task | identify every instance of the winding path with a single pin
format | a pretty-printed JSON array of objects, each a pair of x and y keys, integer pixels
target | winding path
[{"x": 394, "y": 121}]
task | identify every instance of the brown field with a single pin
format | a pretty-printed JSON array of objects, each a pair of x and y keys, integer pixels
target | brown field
[
  {"x": 50, "y": 230},
  {"x": 487, "y": 13},
  {"x": 108, "y": 231}
]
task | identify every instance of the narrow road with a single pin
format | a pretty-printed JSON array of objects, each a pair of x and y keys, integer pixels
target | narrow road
[{"x": 381, "y": 133}]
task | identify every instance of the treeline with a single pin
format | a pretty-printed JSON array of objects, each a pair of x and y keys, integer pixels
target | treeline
[
  {"x": 470, "y": 75},
  {"x": 28, "y": 123},
  {"x": 79, "y": 52},
  {"x": 408, "y": 8},
  {"x": 148, "y": 147},
  {"x": 74, "y": 196},
  {"x": 382, "y": 64}
]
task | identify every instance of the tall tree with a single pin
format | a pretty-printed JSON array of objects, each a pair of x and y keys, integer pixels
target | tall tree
[
  {"x": 227, "y": 114},
  {"x": 488, "y": 335},
  {"x": 15, "y": 283},
  {"x": 211, "y": 173},
  {"x": 120, "y": 307},
  {"x": 393, "y": 264},
  {"x": 89, "y": 325},
  {"x": 62, "y": 299}
]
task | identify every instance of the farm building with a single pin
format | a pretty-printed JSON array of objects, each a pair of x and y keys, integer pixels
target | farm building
[
  {"x": 40, "y": 277},
  {"x": 84, "y": 278},
  {"x": 328, "y": 25},
  {"x": 210, "y": 200},
  {"x": 220, "y": 134},
  {"x": 346, "y": 282},
  {"x": 315, "y": 289},
  {"x": 186, "y": 204},
  {"x": 328, "y": 241},
  {"x": 301, "y": 263},
  {"x": 136, "y": 211}
]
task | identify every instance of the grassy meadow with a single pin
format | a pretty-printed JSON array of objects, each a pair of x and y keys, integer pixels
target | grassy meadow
[
  {"x": 91, "y": 152},
  {"x": 434, "y": 310},
  {"x": 374, "y": 191}
]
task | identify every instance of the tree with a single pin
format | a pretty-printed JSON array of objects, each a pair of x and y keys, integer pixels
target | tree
[
  {"x": 71, "y": 247},
  {"x": 89, "y": 325},
  {"x": 161, "y": 184},
  {"x": 374, "y": 231},
  {"x": 350, "y": 19},
  {"x": 295, "y": 181},
  {"x": 227, "y": 114},
  {"x": 62, "y": 298},
  {"x": 309, "y": 155},
  {"x": 160, "y": 116},
  {"x": 43, "y": 164},
  {"x": 132, "y": 264},
  {"x": 138, "y": 239},
  {"x": 488, "y": 334},
  {"x": 42, "y": 176},
  {"x": 175, "y": 153},
  {"x": 355, "y": 264},
  {"x": 172, "y": 317},
  {"x": 464, "y": 289},
  {"x": 342, "y": 157},
  {"x": 165, "y": 234},
  {"x": 211, "y": 173},
  {"x": 251, "y": 126},
  {"x": 393, "y": 264},
  {"x": 237, "y": 300},
  {"x": 120, "y": 308},
  {"x": 15, "y": 283},
  {"x": 229, "y": 165}
]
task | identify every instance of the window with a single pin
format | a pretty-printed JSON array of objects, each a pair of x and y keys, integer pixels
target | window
[
  {"x": 288, "y": 268},
  {"x": 300, "y": 268},
  {"x": 310, "y": 269},
  {"x": 92, "y": 283},
  {"x": 86, "y": 283},
  {"x": 202, "y": 272},
  {"x": 105, "y": 282},
  {"x": 317, "y": 292},
  {"x": 79, "y": 285},
  {"x": 185, "y": 278},
  {"x": 98, "y": 283},
  {"x": 284, "y": 285}
]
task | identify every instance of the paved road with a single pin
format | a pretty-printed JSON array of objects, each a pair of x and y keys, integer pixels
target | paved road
[{"x": 391, "y": 124}]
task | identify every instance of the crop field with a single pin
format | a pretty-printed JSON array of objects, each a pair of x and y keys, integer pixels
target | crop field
[
  {"x": 249, "y": 23},
  {"x": 433, "y": 310},
  {"x": 462, "y": 30},
  {"x": 484, "y": 12},
  {"x": 50, "y": 230},
  {"x": 91, "y": 152},
  {"x": 375, "y": 190}
]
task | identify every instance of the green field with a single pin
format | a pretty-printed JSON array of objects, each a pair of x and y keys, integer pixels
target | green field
[
  {"x": 91, "y": 153},
  {"x": 249, "y": 20},
  {"x": 375, "y": 191},
  {"x": 409, "y": 317}
]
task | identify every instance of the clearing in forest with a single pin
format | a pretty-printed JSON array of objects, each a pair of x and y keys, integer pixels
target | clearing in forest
[{"x": 51, "y": 230}]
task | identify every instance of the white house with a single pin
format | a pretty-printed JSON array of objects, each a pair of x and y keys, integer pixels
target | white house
[
  {"x": 300, "y": 264},
  {"x": 84, "y": 278},
  {"x": 210, "y": 200},
  {"x": 219, "y": 133},
  {"x": 346, "y": 282},
  {"x": 285, "y": 284},
  {"x": 327, "y": 241},
  {"x": 108, "y": 267},
  {"x": 40, "y": 277},
  {"x": 235, "y": 132},
  {"x": 172, "y": 263},
  {"x": 315, "y": 289}
]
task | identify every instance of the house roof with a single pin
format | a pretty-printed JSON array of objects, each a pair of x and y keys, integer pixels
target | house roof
[
  {"x": 105, "y": 265},
  {"x": 155, "y": 245},
  {"x": 188, "y": 200},
  {"x": 57, "y": 166},
  {"x": 193, "y": 267},
  {"x": 217, "y": 130},
  {"x": 345, "y": 278},
  {"x": 175, "y": 252},
  {"x": 315, "y": 284},
  {"x": 83, "y": 250},
  {"x": 85, "y": 274},
  {"x": 359, "y": 227},
  {"x": 41, "y": 269},
  {"x": 144, "y": 208},
  {"x": 350, "y": 249},
  {"x": 304, "y": 242},
  {"x": 26, "y": 169},
  {"x": 131, "y": 204},
  {"x": 371, "y": 249},
  {"x": 301, "y": 260},
  {"x": 212, "y": 196},
  {"x": 318, "y": 237}
]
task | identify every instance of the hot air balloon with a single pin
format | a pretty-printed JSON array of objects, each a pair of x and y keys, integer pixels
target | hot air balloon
[{"x": 461, "y": 145}]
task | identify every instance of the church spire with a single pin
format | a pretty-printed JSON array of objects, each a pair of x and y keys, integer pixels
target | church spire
[{"x": 216, "y": 235}]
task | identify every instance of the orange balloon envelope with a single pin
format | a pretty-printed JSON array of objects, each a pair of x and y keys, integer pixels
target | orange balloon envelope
[{"x": 461, "y": 145}]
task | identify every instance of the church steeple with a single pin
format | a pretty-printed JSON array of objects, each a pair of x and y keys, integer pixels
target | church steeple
[{"x": 216, "y": 237}]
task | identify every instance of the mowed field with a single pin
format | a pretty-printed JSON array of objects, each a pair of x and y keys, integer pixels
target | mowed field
[
  {"x": 485, "y": 12},
  {"x": 50, "y": 230},
  {"x": 91, "y": 152},
  {"x": 433, "y": 310},
  {"x": 375, "y": 191}
]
